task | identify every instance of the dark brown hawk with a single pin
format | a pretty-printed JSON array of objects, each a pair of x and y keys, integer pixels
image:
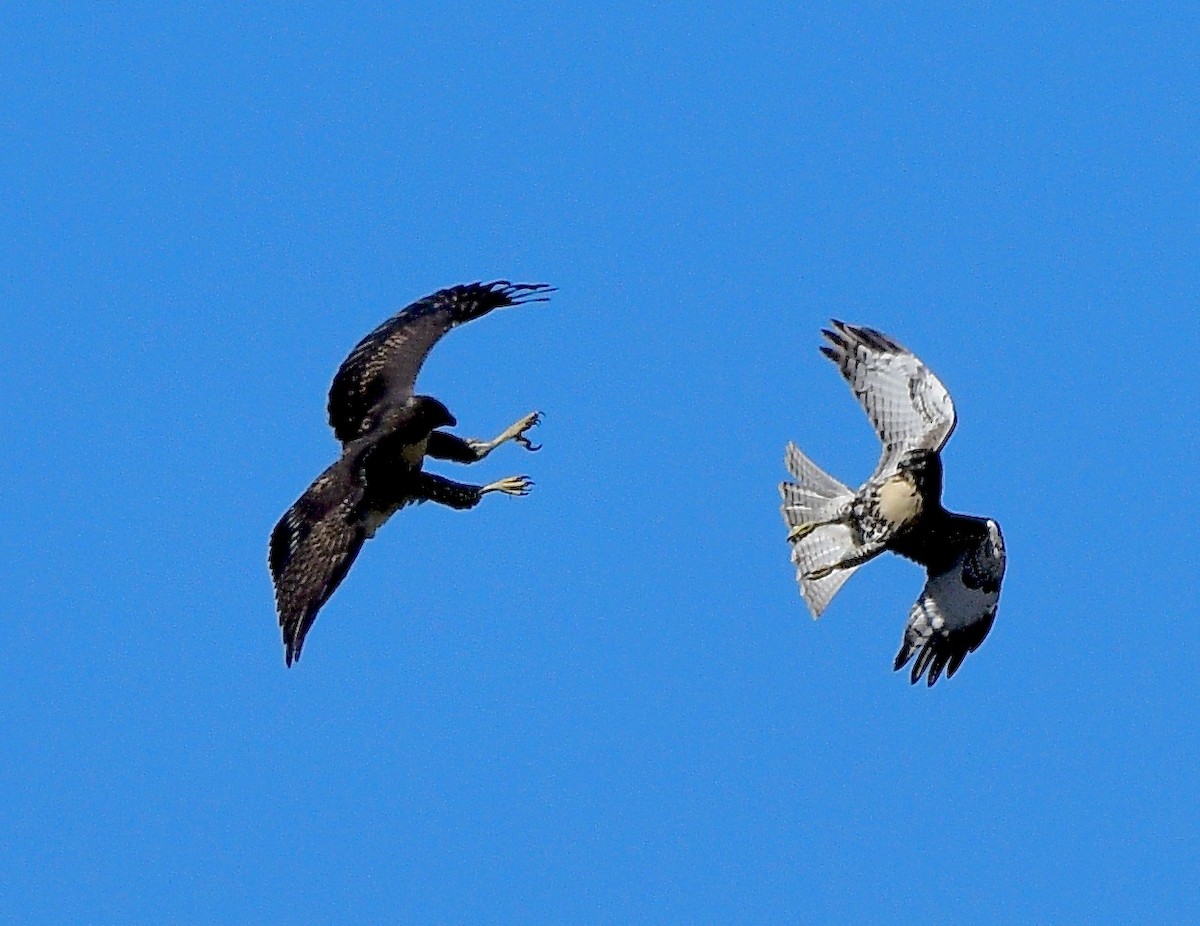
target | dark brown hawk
[
  {"x": 834, "y": 530},
  {"x": 386, "y": 432}
]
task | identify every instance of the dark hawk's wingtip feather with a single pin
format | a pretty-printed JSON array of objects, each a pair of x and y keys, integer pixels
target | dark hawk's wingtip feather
[
  {"x": 469, "y": 301},
  {"x": 293, "y": 642},
  {"x": 524, "y": 293},
  {"x": 517, "y": 293}
]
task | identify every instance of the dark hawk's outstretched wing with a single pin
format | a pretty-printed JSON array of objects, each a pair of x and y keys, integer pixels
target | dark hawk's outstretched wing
[
  {"x": 382, "y": 369},
  {"x": 312, "y": 548},
  {"x": 908, "y": 406},
  {"x": 957, "y": 607}
]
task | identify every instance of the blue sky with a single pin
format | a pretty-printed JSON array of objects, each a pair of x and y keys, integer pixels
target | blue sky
[{"x": 603, "y": 703}]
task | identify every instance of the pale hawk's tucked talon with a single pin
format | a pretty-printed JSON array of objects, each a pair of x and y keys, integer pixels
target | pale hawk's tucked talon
[
  {"x": 834, "y": 530},
  {"x": 800, "y": 531},
  {"x": 386, "y": 432}
]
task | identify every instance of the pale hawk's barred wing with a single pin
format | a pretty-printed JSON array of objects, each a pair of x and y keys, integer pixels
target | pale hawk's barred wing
[
  {"x": 908, "y": 406},
  {"x": 956, "y": 609},
  {"x": 312, "y": 548},
  {"x": 382, "y": 369}
]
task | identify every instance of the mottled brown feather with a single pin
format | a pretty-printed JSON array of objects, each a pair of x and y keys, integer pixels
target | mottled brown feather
[
  {"x": 382, "y": 369},
  {"x": 312, "y": 548}
]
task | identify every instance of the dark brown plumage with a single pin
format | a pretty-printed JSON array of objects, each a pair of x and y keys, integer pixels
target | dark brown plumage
[
  {"x": 386, "y": 433},
  {"x": 381, "y": 371}
]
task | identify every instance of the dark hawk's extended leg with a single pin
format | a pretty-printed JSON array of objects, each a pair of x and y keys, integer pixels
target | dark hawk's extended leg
[
  {"x": 446, "y": 446},
  {"x": 432, "y": 488}
]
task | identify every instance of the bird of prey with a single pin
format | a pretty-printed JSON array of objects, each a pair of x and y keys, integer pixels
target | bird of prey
[
  {"x": 386, "y": 431},
  {"x": 834, "y": 530}
]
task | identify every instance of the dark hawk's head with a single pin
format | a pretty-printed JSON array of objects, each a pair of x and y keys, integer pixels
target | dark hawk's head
[
  {"x": 429, "y": 414},
  {"x": 417, "y": 417}
]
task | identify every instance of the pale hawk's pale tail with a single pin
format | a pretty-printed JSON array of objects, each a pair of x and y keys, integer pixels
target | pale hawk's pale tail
[{"x": 816, "y": 496}]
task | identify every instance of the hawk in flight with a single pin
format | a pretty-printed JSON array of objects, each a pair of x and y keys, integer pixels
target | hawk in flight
[
  {"x": 386, "y": 432},
  {"x": 834, "y": 530}
]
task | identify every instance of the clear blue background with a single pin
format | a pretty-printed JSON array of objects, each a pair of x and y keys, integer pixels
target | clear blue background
[{"x": 603, "y": 703}]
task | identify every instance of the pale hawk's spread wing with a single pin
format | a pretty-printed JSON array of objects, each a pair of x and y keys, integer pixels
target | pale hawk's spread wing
[
  {"x": 382, "y": 369},
  {"x": 957, "y": 607},
  {"x": 908, "y": 406}
]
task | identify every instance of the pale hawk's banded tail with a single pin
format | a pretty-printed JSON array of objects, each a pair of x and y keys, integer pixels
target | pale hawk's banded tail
[{"x": 816, "y": 496}]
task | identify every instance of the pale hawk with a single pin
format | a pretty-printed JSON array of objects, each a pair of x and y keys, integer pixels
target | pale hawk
[{"x": 834, "y": 530}]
